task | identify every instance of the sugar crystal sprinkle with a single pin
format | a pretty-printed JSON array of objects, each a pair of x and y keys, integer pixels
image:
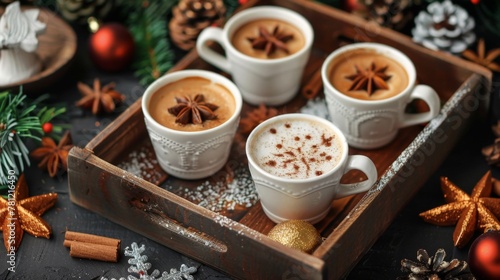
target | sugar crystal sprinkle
[
  {"x": 140, "y": 163},
  {"x": 221, "y": 195}
]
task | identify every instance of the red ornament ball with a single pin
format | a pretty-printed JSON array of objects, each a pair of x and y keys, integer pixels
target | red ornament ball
[
  {"x": 47, "y": 127},
  {"x": 112, "y": 47},
  {"x": 351, "y": 5},
  {"x": 484, "y": 256}
]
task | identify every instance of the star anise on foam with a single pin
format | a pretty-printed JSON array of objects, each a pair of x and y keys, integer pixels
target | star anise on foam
[
  {"x": 99, "y": 98},
  {"x": 255, "y": 117},
  {"x": 482, "y": 58},
  {"x": 193, "y": 110},
  {"x": 477, "y": 211},
  {"x": 51, "y": 156},
  {"x": 369, "y": 79},
  {"x": 269, "y": 42}
]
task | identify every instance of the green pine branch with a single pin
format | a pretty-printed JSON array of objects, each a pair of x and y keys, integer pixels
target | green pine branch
[
  {"x": 20, "y": 120},
  {"x": 17, "y": 122},
  {"x": 147, "y": 21}
]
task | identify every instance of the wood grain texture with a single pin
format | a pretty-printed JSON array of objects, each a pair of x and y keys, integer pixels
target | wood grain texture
[{"x": 236, "y": 242}]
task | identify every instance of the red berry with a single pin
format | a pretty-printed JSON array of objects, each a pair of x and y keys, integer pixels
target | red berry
[{"x": 47, "y": 127}]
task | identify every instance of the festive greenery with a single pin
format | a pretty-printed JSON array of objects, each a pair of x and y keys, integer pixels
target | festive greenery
[
  {"x": 21, "y": 120},
  {"x": 147, "y": 22},
  {"x": 488, "y": 12}
]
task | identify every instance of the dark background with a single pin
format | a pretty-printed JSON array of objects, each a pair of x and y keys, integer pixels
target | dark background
[{"x": 39, "y": 258}]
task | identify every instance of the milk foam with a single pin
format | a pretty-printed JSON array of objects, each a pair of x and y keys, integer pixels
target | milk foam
[{"x": 296, "y": 149}]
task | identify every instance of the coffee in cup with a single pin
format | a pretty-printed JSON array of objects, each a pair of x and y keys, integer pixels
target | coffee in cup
[
  {"x": 367, "y": 89},
  {"x": 268, "y": 39},
  {"x": 273, "y": 79},
  {"x": 296, "y": 149},
  {"x": 367, "y": 75},
  {"x": 192, "y": 117},
  {"x": 296, "y": 162},
  {"x": 216, "y": 104}
]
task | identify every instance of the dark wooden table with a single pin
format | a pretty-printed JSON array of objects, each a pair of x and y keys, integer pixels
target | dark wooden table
[{"x": 39, "y": 258}]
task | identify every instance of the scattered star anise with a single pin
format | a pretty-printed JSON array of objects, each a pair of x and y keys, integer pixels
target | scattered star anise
[
  {"x": 434, "y": 268},
  {"x": 99, "y": 98},
  {"x": 193, "y": 110},
  {"x": 255, "y": 117},
  {"x": 492, "y": 152},
  {"x": 369, "y": 79},
  {"x": 481, "y": 58},
  {"x": 51, "y": 156},
  {"x": 22, "y": 213},
  {"x": 269, "y": 42}
]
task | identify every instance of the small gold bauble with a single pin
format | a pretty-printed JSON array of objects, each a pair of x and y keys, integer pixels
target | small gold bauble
[{"x": 296, "y": 234}]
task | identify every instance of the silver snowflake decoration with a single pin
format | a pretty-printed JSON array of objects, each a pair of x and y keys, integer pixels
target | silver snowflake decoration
[
  {"x": 140, "y": 266},
  {"x": 444, "y": 26}
]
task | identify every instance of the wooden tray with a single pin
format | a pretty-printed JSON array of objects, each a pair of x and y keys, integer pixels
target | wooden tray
[{"x": 234, "y": 240}]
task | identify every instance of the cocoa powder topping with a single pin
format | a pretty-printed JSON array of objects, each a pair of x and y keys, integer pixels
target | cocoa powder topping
[
  {"x": 273, "y": 130},
  {"x": 271, "y": 163}
]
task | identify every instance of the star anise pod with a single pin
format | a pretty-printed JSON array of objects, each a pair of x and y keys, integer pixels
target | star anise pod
[
  {"x": 496, "y": 129},
  {"x": 269, "y": 42},
  {"x": 369, "y": 79},
  {"x": 99, "y": 98},
  {"x": 482, "y": 58},
  {"x": 492, "y": 153},
  {"x": 51, "y": 156},
  {"x": 434, "y": 268},
  {"x": 193, "y": 110},
  {"x": 255, "y": 117}
]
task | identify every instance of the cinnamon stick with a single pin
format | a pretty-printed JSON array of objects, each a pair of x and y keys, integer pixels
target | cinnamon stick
[
  {"x": 313, "y": 86},
  {"x": 93, "y": 251},
  {"x": 72, "y": 236}
]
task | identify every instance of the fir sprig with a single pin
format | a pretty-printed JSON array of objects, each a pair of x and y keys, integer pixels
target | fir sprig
[
  {"x": 147, "y": 22},
  {"x": 20, "y": 120}
]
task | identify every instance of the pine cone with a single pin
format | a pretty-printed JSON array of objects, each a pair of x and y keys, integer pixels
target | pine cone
[
  {"x": 389, "y": 13},
  {"x": 80, "y": 10},
  {"x": 444, "y": 26},
  {"x": 190, "y": 17},
  {"x": 428, "y": 268}
]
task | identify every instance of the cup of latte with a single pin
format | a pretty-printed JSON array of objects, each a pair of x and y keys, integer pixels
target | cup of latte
[
  {"x": 297, "y": 161},
  {"x": 266, "y": 50},
  {"x": 191, "y": 117},
  {"x": 367, "y": 89}
]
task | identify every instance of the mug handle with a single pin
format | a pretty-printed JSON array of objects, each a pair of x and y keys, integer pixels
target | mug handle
[
  {"x": 363, "y": 164},
  {"x": 427, "y": 94},
  {"x": 212, "y": 34}
]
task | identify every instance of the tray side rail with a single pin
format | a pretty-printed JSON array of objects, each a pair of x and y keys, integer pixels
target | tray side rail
[
  {"x": 350, "y": 241},
  {"x": 203, "y": 235}
]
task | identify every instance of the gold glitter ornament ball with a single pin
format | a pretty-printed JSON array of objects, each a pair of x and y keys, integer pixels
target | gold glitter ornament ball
[{"x": 296, "y": 234}]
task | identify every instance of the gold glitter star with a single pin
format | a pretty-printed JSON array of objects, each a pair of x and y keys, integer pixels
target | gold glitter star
[
  {"x": 475, "y": 212},
  {"x": 22, "y": 213}
]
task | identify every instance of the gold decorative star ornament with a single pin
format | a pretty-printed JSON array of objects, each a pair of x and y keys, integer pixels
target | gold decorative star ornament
[
  {"x": 19, "y": 213},
  {"x": 470, "y": 213}
]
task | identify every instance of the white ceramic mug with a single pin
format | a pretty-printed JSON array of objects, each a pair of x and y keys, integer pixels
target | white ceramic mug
[
  {"x": 192, "y": 154},
  {"x": 371, "y": 124},
  {"x": 308, "y": 198},
  {"x": 268, "y": 81}
]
